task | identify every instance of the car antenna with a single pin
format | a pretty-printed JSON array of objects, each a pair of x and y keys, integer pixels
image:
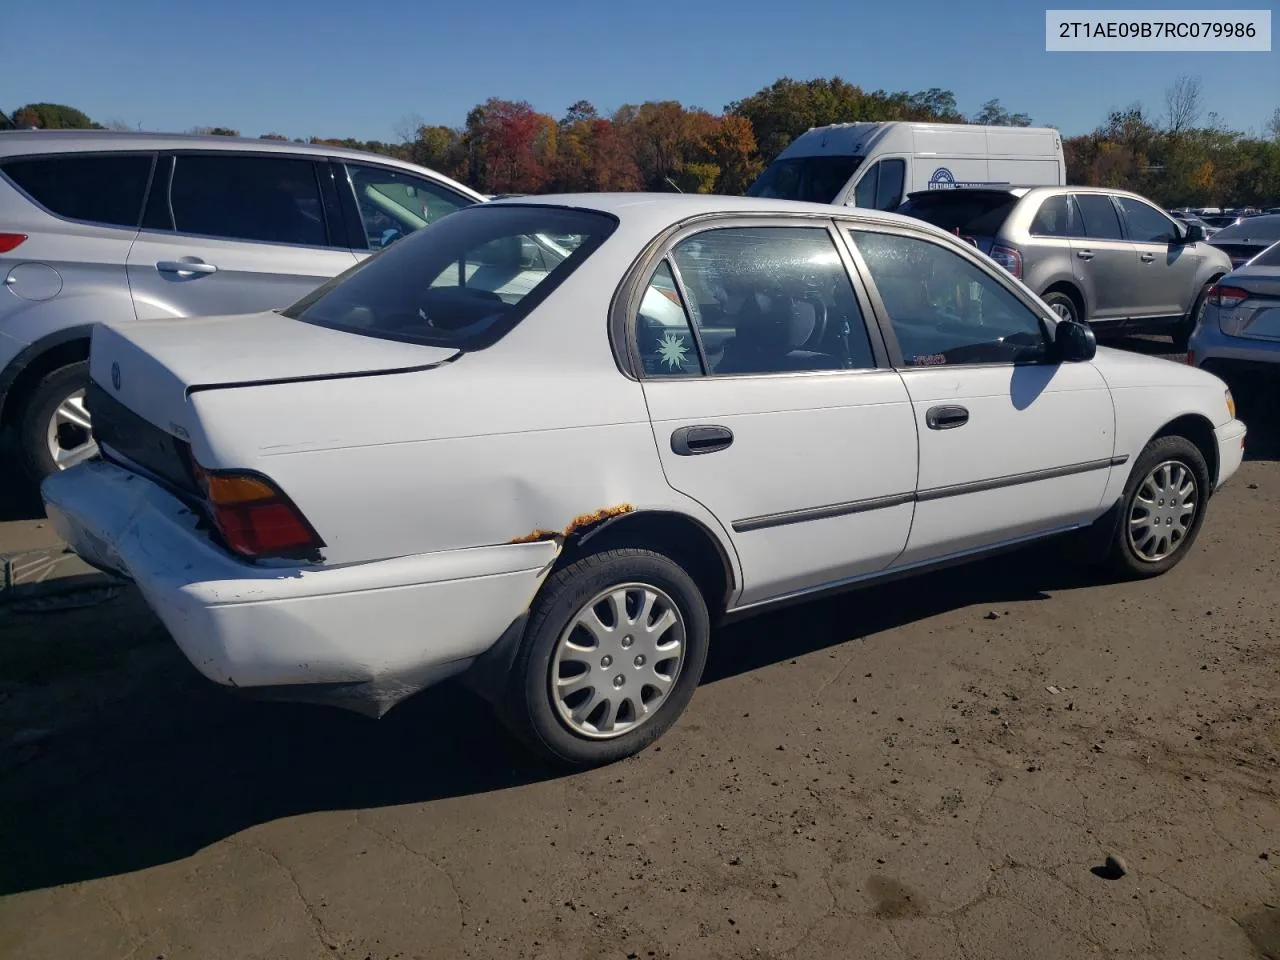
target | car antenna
[{"x": 673, "y": 183}]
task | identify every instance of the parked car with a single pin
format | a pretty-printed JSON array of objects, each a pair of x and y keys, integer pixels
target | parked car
[
  {"x": 1191, "y": 218},
  {"x": 98, "y": 226},
  {"x": 1239, "y": 329},
  {"x": 1108, "y": 258},
  {"x": 874, "y": 165},
  {"x": 1248, "y": 238},
  {"x": 466, "y": 461}
]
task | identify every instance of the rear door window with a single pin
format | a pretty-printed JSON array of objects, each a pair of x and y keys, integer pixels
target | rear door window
[
  {"x": 1101, "y": 222},
  {"x": 267, "y": 199},
  {"x": 101, "y": 188}
]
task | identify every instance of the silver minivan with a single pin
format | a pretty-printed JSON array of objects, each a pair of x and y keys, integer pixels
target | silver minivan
[
  {"x": 102, "y": 226},
  {"x": 1109, "y": 258}
]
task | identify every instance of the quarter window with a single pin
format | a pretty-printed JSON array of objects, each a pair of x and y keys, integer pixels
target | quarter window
[
  {"x": 943, "y": 308},
  {"x": 1145, "y": 223},
  {"x": 761, "y": 300},
  {"x": 393, "y": 203},
  {"x": 663, "y": 331},
  {"x": 1057, "y": 217},
  {"x": 1099, "y": 214},
  {"x": 265, "y": 199},
  {"x": 101, "y": 189}
]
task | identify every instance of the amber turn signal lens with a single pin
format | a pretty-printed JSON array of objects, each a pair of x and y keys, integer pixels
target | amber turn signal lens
[{"x": 222, "y": 490}]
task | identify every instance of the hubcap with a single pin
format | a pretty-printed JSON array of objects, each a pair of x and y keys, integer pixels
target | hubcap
[
  {"x": 1062, "y": 310},
  {"x": 1163, "y": 511},
  {"x": 616, "y": 662},
  {"x": 70, "y": 433}
]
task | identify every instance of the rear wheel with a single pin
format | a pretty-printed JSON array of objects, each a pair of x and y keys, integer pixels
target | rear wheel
[
  {"x": 1162, "y": 510},
  {"x": 613, "y": 652},
  {"x": 54, "y": 430},
  {"x": 1062, "y": 305}
]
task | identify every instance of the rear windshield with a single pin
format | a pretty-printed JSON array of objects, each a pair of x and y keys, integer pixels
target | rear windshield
[
  {"x": 973, "y": 214},
  {"x": 1258, "y": 230},
  {"x": 1269, "y": 257},
  {"x": 812, "y": 179},
  {"x": 464, "y": 281}
]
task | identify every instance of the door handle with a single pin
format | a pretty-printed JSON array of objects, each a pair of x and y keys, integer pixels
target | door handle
[
  {"x": 691, "y": 441},
  {"x": 1084, "y": 254},
  {"x": 1148, "y": 257},
  {"x": 185, "y": 268},
  {"x": 946, "y": 418}
]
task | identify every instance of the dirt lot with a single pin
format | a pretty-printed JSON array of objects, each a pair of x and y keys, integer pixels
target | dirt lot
[{"x": 935, "y": 768}]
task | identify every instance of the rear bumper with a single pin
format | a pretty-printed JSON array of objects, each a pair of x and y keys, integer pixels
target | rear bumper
[
  {"x": 364, "y": 636},
  {"x": 1216, "y": 351},
  {"x": 1230, "y": 437}
]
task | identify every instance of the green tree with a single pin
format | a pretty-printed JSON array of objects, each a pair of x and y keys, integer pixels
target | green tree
[
  {"x": 993, "y": 114},
  {"x": 53, "y": 116}
]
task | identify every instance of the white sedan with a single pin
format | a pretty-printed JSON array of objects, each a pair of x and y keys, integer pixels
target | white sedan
[{"x": 558, "y": 471}]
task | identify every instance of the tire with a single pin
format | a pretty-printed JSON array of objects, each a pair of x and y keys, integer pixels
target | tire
[
  {"x": 1059, "y": 302},
  {"x": 1133, "y": 557},
  {"x": 36, "y": 415},
  {"x": 545, "y": 720},
  {"x": 1181, "y": 335}
]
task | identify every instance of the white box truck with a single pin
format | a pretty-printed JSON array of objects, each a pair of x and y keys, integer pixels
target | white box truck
[{"x": 875, "y": 165}]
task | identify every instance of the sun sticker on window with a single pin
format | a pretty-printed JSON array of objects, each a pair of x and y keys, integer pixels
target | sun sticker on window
[{"x": 672, "y": 350}]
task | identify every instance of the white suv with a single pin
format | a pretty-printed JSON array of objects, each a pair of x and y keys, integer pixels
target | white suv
[{"x": 98, "y": 226}]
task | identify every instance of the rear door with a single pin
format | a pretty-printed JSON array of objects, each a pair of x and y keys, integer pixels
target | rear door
[
  {"x": 1105, "y": 262},
  {"x": 230, "y": 233},
  {"x": 769, "y": 407},
  {"x": 1165, "y": 278}
]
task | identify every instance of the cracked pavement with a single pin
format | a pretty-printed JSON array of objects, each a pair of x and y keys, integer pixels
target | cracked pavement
[{"x": 889, "y": 774}]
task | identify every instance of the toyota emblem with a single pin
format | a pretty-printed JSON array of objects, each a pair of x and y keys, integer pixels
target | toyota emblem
[{"x": 115, "y": 375}]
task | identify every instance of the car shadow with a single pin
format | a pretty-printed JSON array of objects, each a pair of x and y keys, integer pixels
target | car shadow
[
  {"x": 19, "y": 497},
  {"x": 182, "y": 764}
]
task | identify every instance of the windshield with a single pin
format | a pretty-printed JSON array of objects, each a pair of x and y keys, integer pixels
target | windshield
[
  {"x": 1257, "y": 230},
  {"x": 815, "y": 179},
  {"x": 973, "y": 214},
  {"x": 462, "y": 282}
]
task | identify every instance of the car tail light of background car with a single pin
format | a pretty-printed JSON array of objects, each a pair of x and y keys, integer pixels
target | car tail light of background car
[
  {"x": 254, "y": 517},
  {"x": 1227, "y": 297},
  {"x": 11, "y": 241},
  {"x": 1009, "y": 258}
]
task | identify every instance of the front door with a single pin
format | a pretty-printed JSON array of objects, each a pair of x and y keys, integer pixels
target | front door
[
  {"x": 768, "y": 406},
  {"x": 1104, "y": 261},
  {"x": 1011, "y": 445},
  {"x": 1165, "y": 277},
  {"x": 247, "y": 233}
]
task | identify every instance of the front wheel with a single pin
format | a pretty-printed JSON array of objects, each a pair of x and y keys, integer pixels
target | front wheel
[
  {"x": 1186, "y": 326},
  {"x": 611, "y": 657},
  {"x": 54, "y": 430},
  {"x": 1162, "y": 510}
]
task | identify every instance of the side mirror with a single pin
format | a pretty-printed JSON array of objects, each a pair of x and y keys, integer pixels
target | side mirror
[
  {"x": 1194, "y": 234},
  {"x": 1074, "y": 342}
]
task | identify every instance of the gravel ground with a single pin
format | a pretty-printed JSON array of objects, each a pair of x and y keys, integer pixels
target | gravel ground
[{"x": 933, "y": 768}]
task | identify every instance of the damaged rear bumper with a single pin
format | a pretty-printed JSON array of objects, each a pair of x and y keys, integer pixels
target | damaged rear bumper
[{"x": 362, "y": 636}]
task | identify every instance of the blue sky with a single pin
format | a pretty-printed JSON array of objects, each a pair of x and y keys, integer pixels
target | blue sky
[{"x": 329, "y": 68}]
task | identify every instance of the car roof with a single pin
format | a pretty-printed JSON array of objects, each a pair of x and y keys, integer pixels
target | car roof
[
  {"x": 22, "y": 142},
  {"x": 658, "y": 210}
]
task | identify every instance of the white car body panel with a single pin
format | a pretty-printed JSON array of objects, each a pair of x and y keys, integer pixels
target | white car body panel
[
  {"x": 800, "y": 442},
  {"x": 445, "y": 484}
]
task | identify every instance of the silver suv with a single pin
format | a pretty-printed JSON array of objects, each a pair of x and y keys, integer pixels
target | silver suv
[
  {"x": 99, "y": 226},
  {"x": 1107, "y": 257}
]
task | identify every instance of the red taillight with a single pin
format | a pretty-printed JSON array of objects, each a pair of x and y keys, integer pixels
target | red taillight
[
  {"x": 254, "y": 517},
  {"x": 1009, "y": 258},
  {"x": 11, "y": 241},
  {"x": 1228, "y": 297}
]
